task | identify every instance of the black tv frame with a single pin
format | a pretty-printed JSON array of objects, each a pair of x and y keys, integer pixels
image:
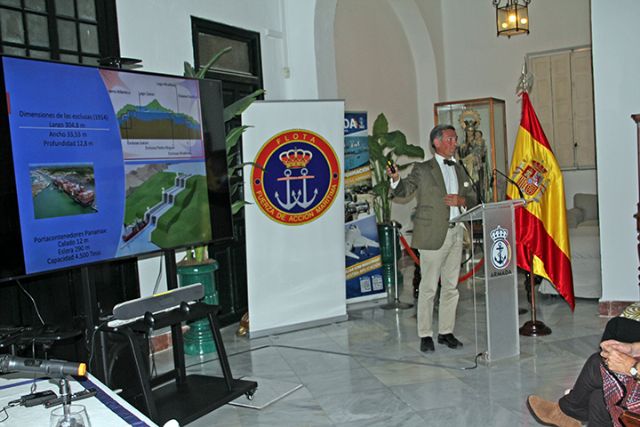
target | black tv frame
[{"x": 12, "y": 264}]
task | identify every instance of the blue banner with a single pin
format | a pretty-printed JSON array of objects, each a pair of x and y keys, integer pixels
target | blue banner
[{"x": 362, "y": 247}]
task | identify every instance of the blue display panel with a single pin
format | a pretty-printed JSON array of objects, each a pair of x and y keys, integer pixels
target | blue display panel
[{"x": 107, "y": 163}]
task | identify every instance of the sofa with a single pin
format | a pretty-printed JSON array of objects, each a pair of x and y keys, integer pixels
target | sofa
[{"x": 584, "y": 240}]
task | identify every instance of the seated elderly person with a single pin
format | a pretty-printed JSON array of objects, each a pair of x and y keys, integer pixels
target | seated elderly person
[{"x": 606, "y": 387}]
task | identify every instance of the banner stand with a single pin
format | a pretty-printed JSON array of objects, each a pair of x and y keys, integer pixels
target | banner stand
[{"x": 295, "y": 222}]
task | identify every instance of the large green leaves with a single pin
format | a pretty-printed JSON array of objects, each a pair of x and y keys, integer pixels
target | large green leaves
[{"x": 386, "y": 146}]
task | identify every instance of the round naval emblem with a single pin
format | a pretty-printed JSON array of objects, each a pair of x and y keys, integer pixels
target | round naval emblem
[{"x": 299, "y": 178}]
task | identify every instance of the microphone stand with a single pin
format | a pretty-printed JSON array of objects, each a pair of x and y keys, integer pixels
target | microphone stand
[
  {"x": 65, "y": 394},
  {"x": 509, "y": 180}
]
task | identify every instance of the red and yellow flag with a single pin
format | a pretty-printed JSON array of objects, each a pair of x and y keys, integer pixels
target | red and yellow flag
[{"x": 541, "y": 226}]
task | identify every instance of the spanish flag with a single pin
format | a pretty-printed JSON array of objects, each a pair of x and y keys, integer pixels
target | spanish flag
[{"x": 541, "y": 226}]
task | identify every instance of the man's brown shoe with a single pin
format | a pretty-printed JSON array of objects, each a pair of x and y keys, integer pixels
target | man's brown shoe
[{"x": 549, "y": 413}]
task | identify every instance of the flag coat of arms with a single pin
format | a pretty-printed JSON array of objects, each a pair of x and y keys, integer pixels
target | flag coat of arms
[{"x": 542, "y": 239}]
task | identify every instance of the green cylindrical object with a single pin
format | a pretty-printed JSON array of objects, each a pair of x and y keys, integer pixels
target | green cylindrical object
[
  {"x": 386, "y": 236},
  {"x": 199, "y": 339}
]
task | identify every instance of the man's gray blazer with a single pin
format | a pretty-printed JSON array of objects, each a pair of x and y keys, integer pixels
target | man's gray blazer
[{"x": 431, "y": 220}]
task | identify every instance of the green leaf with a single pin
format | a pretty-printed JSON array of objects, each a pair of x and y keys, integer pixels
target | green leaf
[
  {"x": 231, "y": 157},
  {"x": 234, "y": 168},
  {"x": 203, "y": 69},
  {"x": 188, "y": 70},
  {"x": 235, "y": 109},
  {"x": 233, "y": 136},
  {"x": 375, "y": 149},
  {"x": 383, "y": 146},
  {"x": 413, "y": 151},
  {"x": 396, "y": 140},
  {"x": 237, "y": 206},
  {"x": 381, "y": 189},
  {"x": 381, "y": 125}
]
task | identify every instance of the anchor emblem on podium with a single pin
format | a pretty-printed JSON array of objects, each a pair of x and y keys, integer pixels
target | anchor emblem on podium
[{"x": 500, "y": 250}]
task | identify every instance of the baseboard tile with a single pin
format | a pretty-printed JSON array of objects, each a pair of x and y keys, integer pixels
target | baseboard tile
[{"x": 612, "y": 308}]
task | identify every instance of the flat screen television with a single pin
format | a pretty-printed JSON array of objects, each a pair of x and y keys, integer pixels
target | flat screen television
[{"x": 101, "y": 163}]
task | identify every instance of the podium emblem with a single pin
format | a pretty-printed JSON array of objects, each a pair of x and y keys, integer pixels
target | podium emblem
[
  {"x": 500, "y": 249},
  {"x": 299, "y": 178}
]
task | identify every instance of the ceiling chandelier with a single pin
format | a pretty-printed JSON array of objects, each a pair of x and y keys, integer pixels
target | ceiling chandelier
[{"x": 512, "y": 18}]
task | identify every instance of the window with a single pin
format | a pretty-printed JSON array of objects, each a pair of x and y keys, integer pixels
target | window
[
  {"x": 239, "y": 70},
  {"x": 242, "y": 65},
  {"x": 77, "y": 31},
  {"x": 562, "y": 95}
]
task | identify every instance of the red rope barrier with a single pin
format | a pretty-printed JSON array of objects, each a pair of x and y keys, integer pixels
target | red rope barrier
[
  {"x": 472, "y": 272},
  {"x": 415, "y": 259},
  {"x": 409, "y": 250}
]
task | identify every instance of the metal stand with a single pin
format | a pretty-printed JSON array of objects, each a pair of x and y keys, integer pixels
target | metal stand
[
  {"x": 396, "y": 304},
  {"x": 534, "y": 327},
  {"x": 176, "y": 394}
]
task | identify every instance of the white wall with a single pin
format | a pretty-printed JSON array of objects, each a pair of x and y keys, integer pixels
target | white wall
[
  {"x": 479, "y": 64},
  {"x": 385, "y": 64},
  {"x": 616, "y": 63}
]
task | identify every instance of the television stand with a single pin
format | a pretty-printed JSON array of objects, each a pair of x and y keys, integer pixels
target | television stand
[{"x": 176, "y": 395}]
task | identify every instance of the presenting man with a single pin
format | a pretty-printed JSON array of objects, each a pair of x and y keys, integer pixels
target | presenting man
[{"x": 442, "y": 189}]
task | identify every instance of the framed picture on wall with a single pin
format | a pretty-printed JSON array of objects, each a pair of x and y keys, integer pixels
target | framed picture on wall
[{"x": 482, "y": 144}]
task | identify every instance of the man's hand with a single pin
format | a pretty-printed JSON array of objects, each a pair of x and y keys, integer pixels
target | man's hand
[
  {"x": 613, "y": 345},
  {"x": 395, "y": 176},
  {"x": 454, "y": 200},
  {"x": 617, "y": 361}
]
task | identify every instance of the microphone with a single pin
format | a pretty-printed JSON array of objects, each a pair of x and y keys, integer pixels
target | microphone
[
  {"x": 509, "y": 180},
  {"x": 475, "y": 184},
  {"x": 53, "y": 368}
]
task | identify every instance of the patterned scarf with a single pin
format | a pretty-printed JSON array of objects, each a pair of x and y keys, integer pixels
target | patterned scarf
[{"x": 621, "y": 393}]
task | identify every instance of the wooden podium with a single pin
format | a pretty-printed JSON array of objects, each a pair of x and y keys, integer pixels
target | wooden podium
[{"x": 500, "y": 270}]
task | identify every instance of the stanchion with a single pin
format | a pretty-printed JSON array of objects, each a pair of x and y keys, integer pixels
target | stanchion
[
  {"x": 534, "y": 327},
  {"x": 396, "y": 304}
]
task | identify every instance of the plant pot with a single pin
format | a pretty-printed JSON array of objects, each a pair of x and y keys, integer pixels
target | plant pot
[
  {"x": 199, "y": 339},
  {"x": 389, "y": 238}
]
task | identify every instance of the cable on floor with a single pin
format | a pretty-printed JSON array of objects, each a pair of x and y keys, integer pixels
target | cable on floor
[{"x": 355, "y": 355}]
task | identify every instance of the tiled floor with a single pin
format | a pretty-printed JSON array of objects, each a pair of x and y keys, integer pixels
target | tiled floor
[{"x": 368, "y": 371}]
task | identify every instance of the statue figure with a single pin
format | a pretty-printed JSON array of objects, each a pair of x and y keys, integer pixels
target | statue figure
[{"x": 472, "y": 151}]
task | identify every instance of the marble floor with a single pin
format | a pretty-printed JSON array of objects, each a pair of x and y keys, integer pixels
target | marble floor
[{"x": 368, "y": 370}]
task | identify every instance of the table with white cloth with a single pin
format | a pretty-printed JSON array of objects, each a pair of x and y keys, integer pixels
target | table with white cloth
[{"x": 106, "y": 408}]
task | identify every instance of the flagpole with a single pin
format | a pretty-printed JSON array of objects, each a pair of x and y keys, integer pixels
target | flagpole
[
  {"x": 542, "y": 225},
  {"x": 534, "y": 327}
]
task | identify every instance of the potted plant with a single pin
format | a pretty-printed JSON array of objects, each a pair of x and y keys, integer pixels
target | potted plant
[
  {"x": 196, "y": 266},
  {"x": 385, "y": 147}
]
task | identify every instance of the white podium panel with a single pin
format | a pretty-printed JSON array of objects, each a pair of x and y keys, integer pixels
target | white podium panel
[{"x": 501, "y": 271}]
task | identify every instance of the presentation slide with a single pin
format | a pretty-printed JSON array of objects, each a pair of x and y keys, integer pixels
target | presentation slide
[{"x": 107, "y": 163}]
